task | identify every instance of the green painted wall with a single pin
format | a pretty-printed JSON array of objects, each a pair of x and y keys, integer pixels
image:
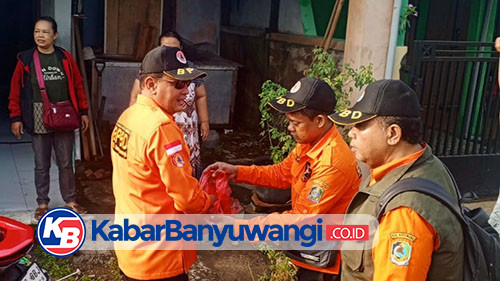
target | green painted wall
[
  {"x": 316, "y": 15},
  {"x": 476, "y": 25},
  {"x": 307, "y": 13},
  {"x": 402, "y": 33},
  {"x": 423, "y": 14}
]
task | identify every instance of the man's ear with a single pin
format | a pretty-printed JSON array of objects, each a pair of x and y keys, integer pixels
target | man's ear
[
  {"x": 150, "y": 84},
  {"x": 321, "y": 120},
  {"x": 394, "y": 134}
]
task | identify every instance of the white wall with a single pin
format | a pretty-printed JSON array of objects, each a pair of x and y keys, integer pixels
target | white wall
[
  {"x": 367, "y": 36},
  {"x": 60, "y": 10}
]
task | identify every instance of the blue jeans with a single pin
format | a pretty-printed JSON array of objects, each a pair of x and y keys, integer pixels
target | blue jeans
[{"x": 62, "y": 142}]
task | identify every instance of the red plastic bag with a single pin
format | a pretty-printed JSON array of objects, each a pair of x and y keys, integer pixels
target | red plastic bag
[{"x": 219, "y": 187}]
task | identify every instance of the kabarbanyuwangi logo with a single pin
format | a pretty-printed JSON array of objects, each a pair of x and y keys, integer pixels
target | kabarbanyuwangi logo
[{"x": 61, "y": 232}]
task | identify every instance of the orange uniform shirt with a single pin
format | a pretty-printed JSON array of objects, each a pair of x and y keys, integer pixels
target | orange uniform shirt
[
  {"x": 406, "y": 240},
  {"x": 152, "y": 175},
  {"x": 323, "y": 179}
]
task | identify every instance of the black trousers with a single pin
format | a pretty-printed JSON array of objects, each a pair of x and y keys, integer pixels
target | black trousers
[
  {"x": 62, "y": 143},
  {"x": 304, "y": 274}
]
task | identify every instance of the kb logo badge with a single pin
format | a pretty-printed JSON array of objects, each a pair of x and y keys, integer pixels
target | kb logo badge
[{"x": 61, "y": 232}]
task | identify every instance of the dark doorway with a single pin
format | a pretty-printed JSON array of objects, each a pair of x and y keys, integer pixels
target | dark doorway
[
  {"x": 16, "y": 19},
  {"x": 452, "y": 18}
]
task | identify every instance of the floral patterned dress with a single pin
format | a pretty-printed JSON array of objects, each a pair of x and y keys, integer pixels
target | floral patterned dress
[{"x": 187, "y": 120}]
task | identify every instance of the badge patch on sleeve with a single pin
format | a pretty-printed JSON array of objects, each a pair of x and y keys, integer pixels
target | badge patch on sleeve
[
  {"x": 400, "y": 253},
  {"x": 119, "y": 140},
  {"x": 173, "y": 147},
  {"x": 177, "y": 160},
  {"x": 315, "y": 194}
]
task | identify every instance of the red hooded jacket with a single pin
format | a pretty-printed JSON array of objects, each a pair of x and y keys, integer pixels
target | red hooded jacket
[{"x": 21, "y": 92}]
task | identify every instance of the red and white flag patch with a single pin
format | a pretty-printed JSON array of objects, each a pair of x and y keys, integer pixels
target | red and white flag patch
[{"x": 173, "y": 147}]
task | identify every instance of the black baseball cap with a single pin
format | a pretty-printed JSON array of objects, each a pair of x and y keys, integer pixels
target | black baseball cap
[
  {"x": 309, "y": 93},
  {"x": 170, "y": 61},
  {"x": 381, "y": 98}
]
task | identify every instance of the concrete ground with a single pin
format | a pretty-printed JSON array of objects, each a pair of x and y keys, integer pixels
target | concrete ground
[
  {"x": 17, "y": 186},
  {"x": 486, "y": 205}
]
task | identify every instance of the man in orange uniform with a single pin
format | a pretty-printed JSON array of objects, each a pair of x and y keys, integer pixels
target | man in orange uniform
[
  {"x": 151, "y": 169},
  {"x": 321, "y": 170},
  {"x": 419, "y": 238}
]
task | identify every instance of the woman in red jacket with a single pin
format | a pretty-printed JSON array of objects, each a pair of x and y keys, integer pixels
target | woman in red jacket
[{"x": 63, "y": 82}]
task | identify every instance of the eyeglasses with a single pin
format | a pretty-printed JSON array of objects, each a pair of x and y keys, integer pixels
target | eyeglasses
[{"x": 178, "y": 84}]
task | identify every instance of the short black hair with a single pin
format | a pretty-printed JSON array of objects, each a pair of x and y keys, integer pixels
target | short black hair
[
  {"x": 52, "y": 21},
  {"x": 411, "y": 127},
  {"x": 168, "y": 34},
  {"x": 142, "y": 78},
  {"x": 311, "y": 113}
]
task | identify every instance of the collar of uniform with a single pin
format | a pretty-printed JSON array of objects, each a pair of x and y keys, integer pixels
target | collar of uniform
[
  {"x": 313, "y": 152},
  {"x": 378, "y": 173},
  {"x": 147, "y": 101}
]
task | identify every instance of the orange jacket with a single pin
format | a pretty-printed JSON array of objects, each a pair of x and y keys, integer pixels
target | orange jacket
[
  {"x": 323, "y": 178},
  {"x": 404, "y": 236},
  {"x": 152, "y": 175}
]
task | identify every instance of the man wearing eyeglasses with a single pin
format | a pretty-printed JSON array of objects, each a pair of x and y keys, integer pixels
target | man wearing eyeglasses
[{"x": 151, "y": 169}]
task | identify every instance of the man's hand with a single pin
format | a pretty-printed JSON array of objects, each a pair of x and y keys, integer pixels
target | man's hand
[
  {"x": 213, "y": 198},
  {"x": 85, "y": 123},
  {"x": 17, "y": 129},
  {"x": 230, "y": 170},
  {"x": 497, "y": 44}
]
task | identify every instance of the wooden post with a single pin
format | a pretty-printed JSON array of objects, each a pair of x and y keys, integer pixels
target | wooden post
[
  {"x": 78, "y": 45},
  {"x": 83, "y": 136},
  {"x": 323, "y": 42},
  {"x": 337, "y": 9}
]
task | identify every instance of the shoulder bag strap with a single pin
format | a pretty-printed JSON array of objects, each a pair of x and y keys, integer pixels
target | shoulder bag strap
[{"x": 39, "y": 77}]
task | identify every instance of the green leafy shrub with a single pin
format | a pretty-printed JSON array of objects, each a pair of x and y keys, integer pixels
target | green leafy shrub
[
  {"x": 274, "y": 125},
  {"x": 323, "y": 67},
  {"x": 279, "y": 268}
]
